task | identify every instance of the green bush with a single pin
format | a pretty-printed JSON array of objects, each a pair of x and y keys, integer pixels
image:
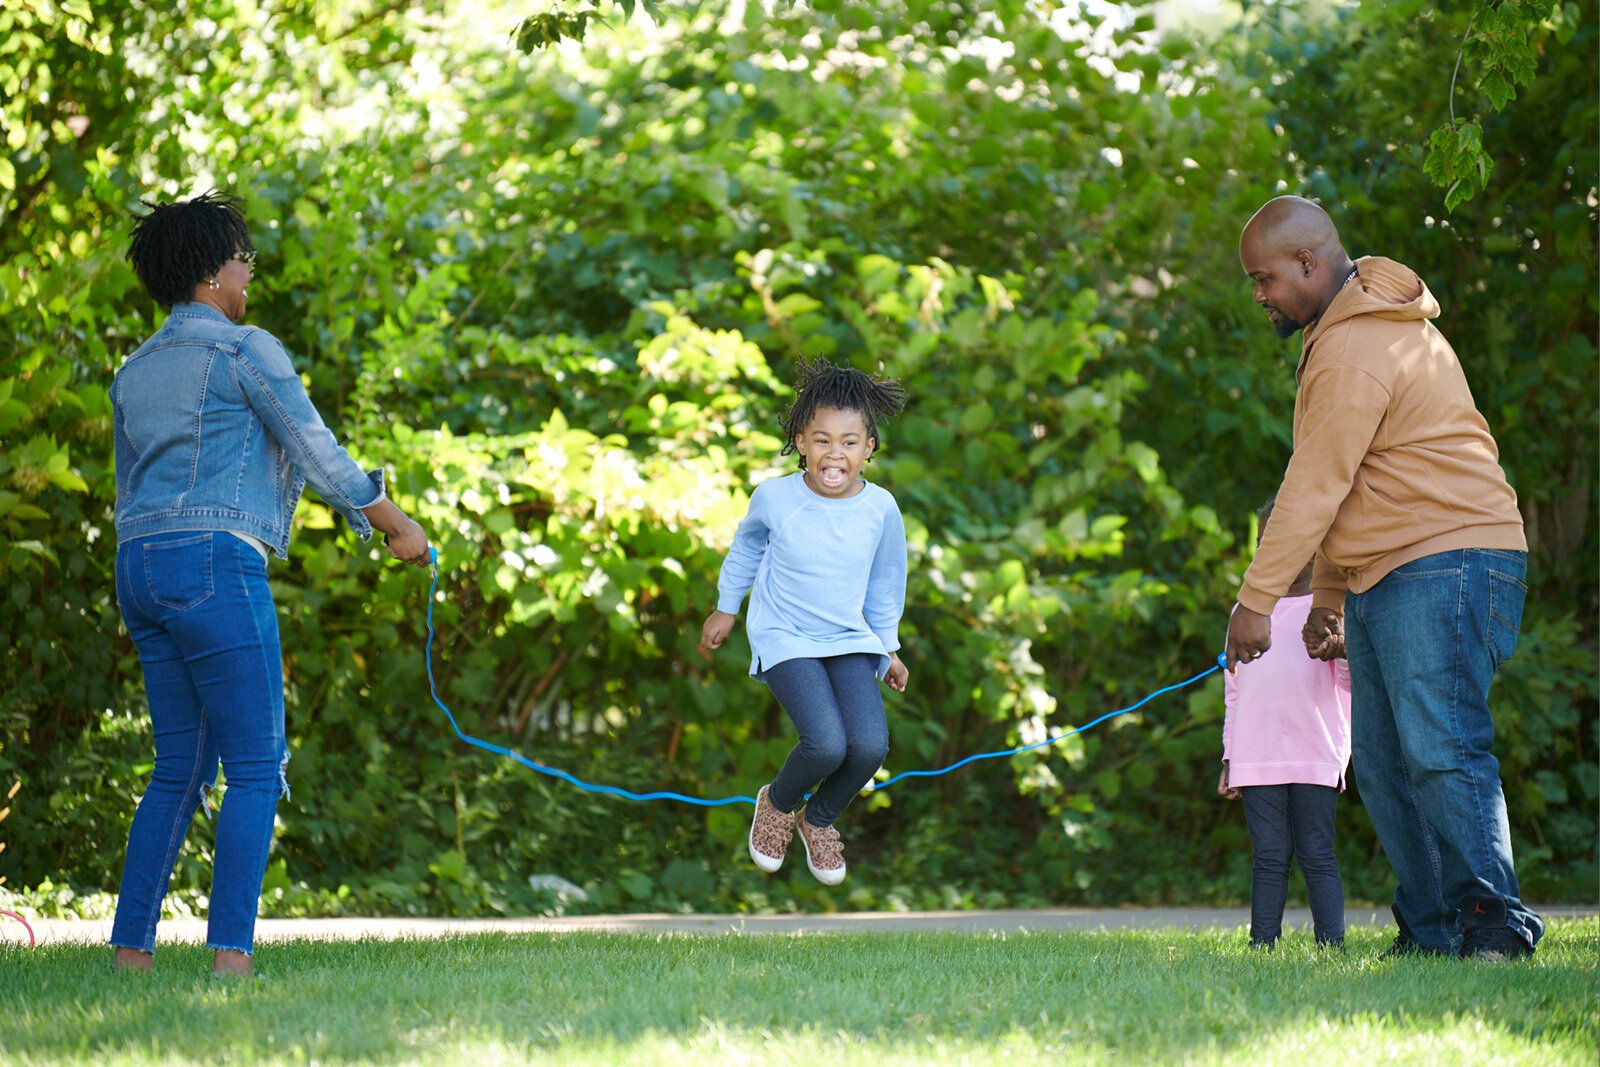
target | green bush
[{"x": 558, "y": 297}]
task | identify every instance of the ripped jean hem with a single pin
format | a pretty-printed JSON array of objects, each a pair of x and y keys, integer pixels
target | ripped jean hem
[{"x": 230, "y": 948}]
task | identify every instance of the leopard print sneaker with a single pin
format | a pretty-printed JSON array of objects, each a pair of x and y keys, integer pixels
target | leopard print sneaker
[
  {"x": 770, "y": 832},
  {"x": 824, "y": 851}
]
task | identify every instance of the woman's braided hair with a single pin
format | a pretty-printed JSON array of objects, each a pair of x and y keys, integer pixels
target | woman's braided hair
[
  {"x": 824, "y": 385},
  {"x": 178, "y": 245}
]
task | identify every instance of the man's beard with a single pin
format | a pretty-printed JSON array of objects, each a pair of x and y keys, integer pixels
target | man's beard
[{"x": 1286, "y": 326}]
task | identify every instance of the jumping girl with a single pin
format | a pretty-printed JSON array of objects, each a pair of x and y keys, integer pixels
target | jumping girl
[{"x": 822, "y": 554}]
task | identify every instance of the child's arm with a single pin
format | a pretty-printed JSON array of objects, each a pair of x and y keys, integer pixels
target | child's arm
[
  {"x": 1341, "y": 677},
  {"x": 1230, "y": 702},
  {"x": 886, "y": 592},
  {"x": 738, "y": 572}
]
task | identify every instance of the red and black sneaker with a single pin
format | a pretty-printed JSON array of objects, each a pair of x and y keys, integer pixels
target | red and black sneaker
[{"x": 1485, "y": 935}]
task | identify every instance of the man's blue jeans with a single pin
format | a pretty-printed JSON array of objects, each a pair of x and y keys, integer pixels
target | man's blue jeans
[
  {"x": 201, "y": 615},
  {"x": 1423, "y": 645}
]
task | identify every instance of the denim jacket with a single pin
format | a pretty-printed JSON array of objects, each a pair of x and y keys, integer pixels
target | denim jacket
[{"x": 214, "y": 431}]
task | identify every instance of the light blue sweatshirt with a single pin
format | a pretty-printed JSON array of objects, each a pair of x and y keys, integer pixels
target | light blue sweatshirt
[{"x": 826, "y": 577}]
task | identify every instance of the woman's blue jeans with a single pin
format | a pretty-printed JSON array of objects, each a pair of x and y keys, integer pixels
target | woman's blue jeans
[
  {"x": 1424, "y": 644},
  {"x": 837, "y": 709},
  {"x": 202, "y": 618}
]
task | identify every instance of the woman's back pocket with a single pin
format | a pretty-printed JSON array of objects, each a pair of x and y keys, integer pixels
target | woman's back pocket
[{"x": 178, "y": 572}]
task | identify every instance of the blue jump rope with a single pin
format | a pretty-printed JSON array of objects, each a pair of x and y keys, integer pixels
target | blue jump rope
[{"x": 704, "y": 802}]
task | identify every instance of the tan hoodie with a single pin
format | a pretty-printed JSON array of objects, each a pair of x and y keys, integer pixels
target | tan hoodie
[{"x": 1392, "y": 460}]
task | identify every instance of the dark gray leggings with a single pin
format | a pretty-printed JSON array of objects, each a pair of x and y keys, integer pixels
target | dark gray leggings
[
  {"x": 837, "y": 709},
  {"x": 1298, "y": 819}
]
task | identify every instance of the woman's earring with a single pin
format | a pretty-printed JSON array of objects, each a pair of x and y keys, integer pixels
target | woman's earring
[{"x": 215, "y": 285}]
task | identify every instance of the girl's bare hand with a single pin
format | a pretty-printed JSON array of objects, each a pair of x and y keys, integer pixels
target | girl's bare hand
[
  {"x": 897, "y": 674},
  {"x": 716, "y": 630}
]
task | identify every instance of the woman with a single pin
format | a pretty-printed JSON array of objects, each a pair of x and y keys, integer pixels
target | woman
[{"x": 215, "y": 439}]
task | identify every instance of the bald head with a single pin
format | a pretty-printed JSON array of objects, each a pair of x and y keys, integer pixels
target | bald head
[
  {"x": 1291, "y": 251},
  {"x": 1287, "y": 224}
]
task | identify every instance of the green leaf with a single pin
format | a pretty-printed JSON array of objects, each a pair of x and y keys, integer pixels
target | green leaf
[
  {"x": 451, "y": 866},
  {"x": 1440, "y": 163},
  {"x": 1499, "y": 91},
  {"x": 976, "y": 417},
  {"x": 878, "y": 274},
  {"x": 797, "y": 304},
  {"x": 34, "y": 548},
  {"x": 1146, "y": 461}
]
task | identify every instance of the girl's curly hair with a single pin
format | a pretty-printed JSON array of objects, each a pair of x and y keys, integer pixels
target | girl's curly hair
[
  {"x": 824, "y": 385},
  {"x": 178, "y": 245}
]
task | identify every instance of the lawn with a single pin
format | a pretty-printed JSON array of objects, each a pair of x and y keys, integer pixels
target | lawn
[{"x": 1133, "y": 997}]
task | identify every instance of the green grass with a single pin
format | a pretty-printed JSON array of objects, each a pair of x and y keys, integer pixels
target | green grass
[{"x": 1132, "y": 997}]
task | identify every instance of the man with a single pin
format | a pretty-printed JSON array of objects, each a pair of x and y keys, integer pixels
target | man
[{"x": 1395, "y": 485}]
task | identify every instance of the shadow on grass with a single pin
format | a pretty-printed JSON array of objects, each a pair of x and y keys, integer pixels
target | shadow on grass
[{"x": 1152, "y": 995}]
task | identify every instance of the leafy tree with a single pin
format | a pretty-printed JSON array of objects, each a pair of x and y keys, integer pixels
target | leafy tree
[
  {"x": 558, "y": 295},
  {"x": 1503, "y": 40}
]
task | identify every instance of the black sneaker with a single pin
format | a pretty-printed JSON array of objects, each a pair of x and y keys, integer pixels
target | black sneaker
[
  {"x": 1485, "y": 935},
  {"x": 1406, "y": 945}
]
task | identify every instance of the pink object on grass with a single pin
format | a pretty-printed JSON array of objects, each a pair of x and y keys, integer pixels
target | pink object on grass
[{"x": 24, "y": 923}]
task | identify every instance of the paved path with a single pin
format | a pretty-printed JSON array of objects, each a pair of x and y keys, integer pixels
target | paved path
[{"x": 1049, "y": 919}]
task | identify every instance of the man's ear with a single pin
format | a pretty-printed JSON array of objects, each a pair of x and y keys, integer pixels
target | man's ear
[{"x": 1307, "y": 260}]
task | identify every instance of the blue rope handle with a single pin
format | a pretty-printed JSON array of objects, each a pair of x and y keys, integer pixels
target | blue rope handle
[{"x": 626, "y": 794}]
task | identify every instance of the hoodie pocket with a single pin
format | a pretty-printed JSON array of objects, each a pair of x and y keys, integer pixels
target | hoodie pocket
[{"x": 1369, "y": 526}]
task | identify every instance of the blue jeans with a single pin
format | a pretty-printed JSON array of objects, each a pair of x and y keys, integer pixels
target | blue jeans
[
  {"x": 1424, "y": 644},
  {"x": 835, "y": 706},
  {"x": 1294, "y": 819},
  {"x": 201, "y": 615}
]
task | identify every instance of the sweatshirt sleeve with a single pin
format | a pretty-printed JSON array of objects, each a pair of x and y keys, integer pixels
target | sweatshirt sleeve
[
  {"x": 886, "y": 584},
  {"x": 744, "y": 555},
  {"x": 1230, "y": 703},
  {"x": 1343, "y": 406},
  {"x": 1328, "y": 585}
]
